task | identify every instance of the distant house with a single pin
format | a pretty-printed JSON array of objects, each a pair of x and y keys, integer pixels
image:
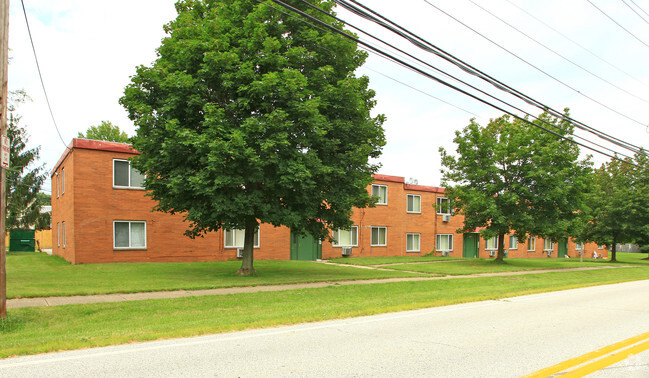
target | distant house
[{"x": 100, "y": 214}]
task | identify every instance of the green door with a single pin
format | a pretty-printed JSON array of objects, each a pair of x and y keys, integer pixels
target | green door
[
  {"x": 305, "y": 247},
  {"x": 470, "y": 247},
  {"x": 563, "y": 248}
]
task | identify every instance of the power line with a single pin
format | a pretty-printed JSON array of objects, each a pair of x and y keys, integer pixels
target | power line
[
  {"x": 617, "y": 23},
  {"x": 438, "y": 70},
  {"x": 639, "y": 7},
  {"x": 430, "y": 76},
  {"x": 578, "y": 44},
  {"x": 38, "y": 67},
  {"x": 635, "y": 11},
  {"x": 600, "y": 134},
  {"x": 556, "y": 53}
]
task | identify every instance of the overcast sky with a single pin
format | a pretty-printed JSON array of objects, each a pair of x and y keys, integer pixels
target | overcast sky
[{"x": 87, "y": 51}]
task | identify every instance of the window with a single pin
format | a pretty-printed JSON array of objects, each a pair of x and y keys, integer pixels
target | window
[
  {"x": 129, "y": 234},
  {"x": 62, "y": 180},
  {"x": 547, "y": 244},
  {"x": 63, "y": 232},
  {"x": 444, "y": 242},
  {"x": 513, "y": 242},
  {"x": 58, "y": 235},
  {"x": 379, "y": 236},
  {"x": 531, "y": 243},
  {"x": 443, "y": 205},
  {"x": 601, "y": 246},
  {"x": 380, "y": 192},
  {"x": 125, "y": 176},
  {"x": 346, "y": 238},
  {"x": 235, "y": 238},
  {"x": 58, "y": 186},
  {"x": 491, "y": 243},
  {"x": 414, "y": 203},
  {"x": 412, "y": 242}
]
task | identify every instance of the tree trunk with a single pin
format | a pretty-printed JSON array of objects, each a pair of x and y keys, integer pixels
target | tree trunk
[
  {"x": 247, "y": 268},
  {"x": 613, "y": 245},
  {"x": 500, "y": 256}
]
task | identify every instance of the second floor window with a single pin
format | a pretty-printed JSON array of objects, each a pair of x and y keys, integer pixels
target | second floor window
[
  {"x": 443, "y": 205},
  {"x": 125, "y": 176},
  {"x": 381, "y": 193},
  {"x": 414, "y": 203}
]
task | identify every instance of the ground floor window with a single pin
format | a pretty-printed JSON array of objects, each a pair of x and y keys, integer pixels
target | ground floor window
[
  {"x": 491, "y": 243},
  {"x": 412, "y": 242},
  {"x": 579, "y": 246},
  {"x": 444, "y": 242},
  {"x": 346, "y": 238},
  {"x": 379, "y": 236},
  {"x": 547, "y": 244},
  {"x": 129, "y": 234},
  {"x": 58, "y": 234},
  {"x": 63, "y": 233},
  {"x": 531, "y": 244},
  {"x": 513, "y": 242},
  {"x": 235, "y": 238}
]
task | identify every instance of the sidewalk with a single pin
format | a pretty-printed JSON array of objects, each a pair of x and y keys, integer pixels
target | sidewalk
[{"x": 86, "y": 299}]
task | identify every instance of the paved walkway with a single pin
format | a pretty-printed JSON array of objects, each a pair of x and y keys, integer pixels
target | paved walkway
[{"x": 85, "y": 299}]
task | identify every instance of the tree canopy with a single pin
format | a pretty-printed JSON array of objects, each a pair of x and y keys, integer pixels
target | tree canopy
[
  {"x": 24, "y": 178},
  {"x": 510, "y": 176},
  {"x": 253, "y": 115},
  {"x": 105, "y": 131},
  {"x": 618, "y": 203}
]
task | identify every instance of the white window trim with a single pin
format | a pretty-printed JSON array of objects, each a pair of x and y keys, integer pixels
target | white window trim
[
  {"x": 58, "y": 185},
  {"x": 335, "y": 242},
  {"x": 551, "y": 245},
  {"x": 379, "y": 197},
  {"x": 579, "y": 246},
  {"x": 439, "y": 206},
  {"x": 437, "y": 243},
  {"x": 257, "y": 241},
  {"x": 418, "y": 242},
  {"x": 58, "y": 234},
  {"x": 63, "y": 229},
  {"x": 601, "y": 246},
  {"x": 62, "y": 181},
  {"x": 510, "y": 242},
  {"x": 129, "y": 177},
  {"x": 491, "y": 249},
  {"x": 386, "y": 236},
  {"x": 533, "y": 240},
  {"x": 129, "y": 235},
  {"x": 413, "y": 195}
]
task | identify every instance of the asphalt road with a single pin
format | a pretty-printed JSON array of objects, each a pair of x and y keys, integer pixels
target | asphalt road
[{"x": 506, "y": 338}]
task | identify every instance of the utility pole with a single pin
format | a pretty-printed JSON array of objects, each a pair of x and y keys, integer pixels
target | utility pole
[{"x": 4, "y": 61}]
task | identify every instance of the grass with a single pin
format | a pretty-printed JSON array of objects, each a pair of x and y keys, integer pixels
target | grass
[
  {"x": 38, "y": 275},
  {"x": 47, "y": 329},
  {"x": 368, "y": 261},
  {"x": 474, "y": 266}
]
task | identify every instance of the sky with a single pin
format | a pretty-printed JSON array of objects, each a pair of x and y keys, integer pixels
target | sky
[{"x": 87, "y": 51}]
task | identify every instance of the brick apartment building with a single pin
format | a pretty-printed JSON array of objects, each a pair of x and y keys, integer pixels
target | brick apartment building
[{"x": 100, "y": 214}]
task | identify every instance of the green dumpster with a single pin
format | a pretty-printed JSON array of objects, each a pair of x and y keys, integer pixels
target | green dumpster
[{"x": 22, "y": 241}]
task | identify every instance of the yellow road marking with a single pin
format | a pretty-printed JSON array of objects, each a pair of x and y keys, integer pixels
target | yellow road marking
[
  {"x": 607, "y": 361},
  {"x": 563, "y": 366}
]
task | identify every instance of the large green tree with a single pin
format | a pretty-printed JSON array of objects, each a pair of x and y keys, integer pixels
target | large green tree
[
  {"x": 105, "y": 131},
  {"x": 510, "y": 176},
  {"x": 618, "y": 203},
  {"x": 24, "y": 177},
  {"x": 253, "y": 115}
]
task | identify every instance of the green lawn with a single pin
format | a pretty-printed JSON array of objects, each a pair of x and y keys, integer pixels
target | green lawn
[
  {"x": 368, "y": 261},
  {"x": 38, "y": 275},
  {"x": 474, "y": 266},
  {"x": 47, "y": 329}
]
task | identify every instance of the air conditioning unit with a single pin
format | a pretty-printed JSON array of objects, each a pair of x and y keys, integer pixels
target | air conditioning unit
[
  {"x": 446, "y": 218},
  {"x": 347, "y": 251},
  {"x": 492, "y": 253},
  {"x": 446, "y": 253},
  {"x": 240, "y": 253},
  {"x": 549, "y": 253}
]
